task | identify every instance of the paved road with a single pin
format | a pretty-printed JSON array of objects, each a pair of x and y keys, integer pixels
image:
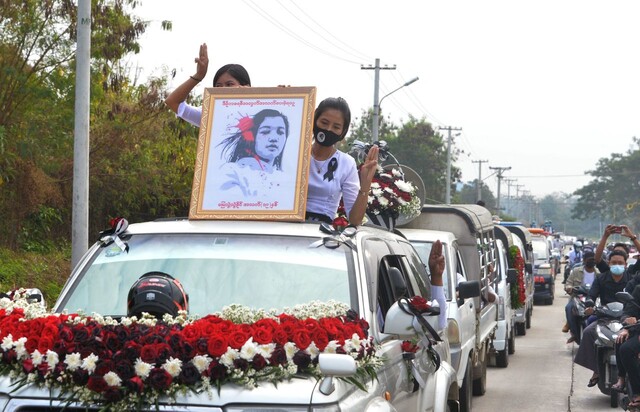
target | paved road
[{"x": 541, "y": 375}]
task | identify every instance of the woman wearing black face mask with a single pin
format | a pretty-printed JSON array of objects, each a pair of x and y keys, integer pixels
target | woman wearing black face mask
[{"x": 333, "y": 174}]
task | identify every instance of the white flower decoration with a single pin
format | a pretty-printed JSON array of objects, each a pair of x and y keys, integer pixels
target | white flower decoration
[
  {"x": 73, "y": 361},
  {"x": 201, "y": 362},
  {"x": 52, "y": 359},
  {"x": 89, "y": 363},
  {"x": 141, "y": 368},
  {"x": 173, "y": 366},
  {"x": 112, "y": 379}
]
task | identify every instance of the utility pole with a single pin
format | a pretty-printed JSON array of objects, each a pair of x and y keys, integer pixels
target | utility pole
[
  {"x": 509, "y": 184},
  {"x": 80, "y": 203},
  {"x": 499, "y": 172},
  {"x": 479, "y": 181},
  {"x": 376, "y": 89},
  {"x": 447, "y": 199}
]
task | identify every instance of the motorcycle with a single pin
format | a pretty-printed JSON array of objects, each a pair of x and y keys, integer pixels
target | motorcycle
[
  {"x": 581, "y": 301},
  {"x": 609, "y": 324},
  {"x": 624, "y": 401}
]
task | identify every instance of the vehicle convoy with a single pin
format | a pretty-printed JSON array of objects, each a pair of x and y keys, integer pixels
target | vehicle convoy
[
  {"x": 522, "y": 239},
  {"x": 504, "y": 342},
  {"x": 472, "y": 226},
  {"x": 258, "y": 268},
  {"x": 460, "y": 312},
  {"x": 543, "y": 274}
]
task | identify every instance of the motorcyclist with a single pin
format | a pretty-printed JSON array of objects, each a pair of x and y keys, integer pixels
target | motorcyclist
[
  {"x": 580, "y": 276},
  {"x": 573, "y": 258},
  {"x": 604, "y": 287},
  {"x": 628, "y": 349}
]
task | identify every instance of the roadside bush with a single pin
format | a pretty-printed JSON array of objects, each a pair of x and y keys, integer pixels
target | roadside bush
[{"x": 48, "y": 272}]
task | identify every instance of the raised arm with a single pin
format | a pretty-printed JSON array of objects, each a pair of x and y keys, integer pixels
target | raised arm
[
  {"x": 608, "y": 231},
  {"x": 367, "y": 171},
  {"x": 181, "y": 92}
]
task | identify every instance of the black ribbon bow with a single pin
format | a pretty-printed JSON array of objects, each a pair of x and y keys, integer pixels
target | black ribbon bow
[{"x": 333, "y": 166}]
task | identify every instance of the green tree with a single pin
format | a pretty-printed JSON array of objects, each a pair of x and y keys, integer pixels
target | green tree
[
  {"x": 469, "y": 194},
  {"x": 612, "y": 195},
  {"x": 37, "y": 45}
]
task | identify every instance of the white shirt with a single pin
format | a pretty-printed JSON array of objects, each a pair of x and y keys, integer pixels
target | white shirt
[
  {"x": 324, "y": 196},
  {"x": 588, "y": 278},
  {"x": 190, "y": 113}
]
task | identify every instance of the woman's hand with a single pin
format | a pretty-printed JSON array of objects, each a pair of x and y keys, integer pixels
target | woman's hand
[
  {"x": 368, "y": 169},
  {"x": 202, "y": 62}
]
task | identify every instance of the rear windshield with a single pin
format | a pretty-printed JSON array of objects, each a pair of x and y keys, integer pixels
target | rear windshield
[{"x": 261, "y": 272}]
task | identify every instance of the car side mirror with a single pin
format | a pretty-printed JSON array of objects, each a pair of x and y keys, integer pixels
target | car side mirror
[
  {"x": 528, "y": 268},
  {"x": 512, "y": 276},
  {"x": 469, "y": 289}
]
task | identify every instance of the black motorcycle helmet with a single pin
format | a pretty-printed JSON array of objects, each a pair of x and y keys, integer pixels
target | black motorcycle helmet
[{"x": 156, "y": 293}]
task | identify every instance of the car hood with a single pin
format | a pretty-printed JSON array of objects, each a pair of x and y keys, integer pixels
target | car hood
[{"x": 297, "y": 391}]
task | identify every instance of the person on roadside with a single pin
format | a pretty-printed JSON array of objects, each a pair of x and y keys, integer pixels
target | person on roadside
[
  {"x": 229, "y": 75},
  {"x": 628, "y": 349},
  {"x": 334, "y": 174},
  {"x": 604, "y": 287},
  {"x": 585, "y": 276}
]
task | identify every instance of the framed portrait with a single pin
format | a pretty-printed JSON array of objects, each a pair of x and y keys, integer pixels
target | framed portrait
[{"x": 254, "y": 150}]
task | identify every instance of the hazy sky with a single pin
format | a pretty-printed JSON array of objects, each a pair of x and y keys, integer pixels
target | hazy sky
[{"x": 544, "y": 87}]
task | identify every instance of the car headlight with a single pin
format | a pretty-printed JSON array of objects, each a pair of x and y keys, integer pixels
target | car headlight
[{"x": 453, "y": 331}]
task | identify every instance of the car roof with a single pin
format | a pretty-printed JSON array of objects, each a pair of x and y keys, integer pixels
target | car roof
[{"x": 249, "y": 227}]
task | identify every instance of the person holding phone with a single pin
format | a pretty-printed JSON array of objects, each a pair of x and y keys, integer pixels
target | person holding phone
[{"x": 622, "y": 230}]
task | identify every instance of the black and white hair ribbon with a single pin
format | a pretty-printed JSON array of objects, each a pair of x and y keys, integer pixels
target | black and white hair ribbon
[{"x": 333, "y": 166}]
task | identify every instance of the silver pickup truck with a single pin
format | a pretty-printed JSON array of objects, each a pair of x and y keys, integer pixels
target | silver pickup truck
[
  {"x": 473, "y": 320},
  {"x": 270, "y": 266}
]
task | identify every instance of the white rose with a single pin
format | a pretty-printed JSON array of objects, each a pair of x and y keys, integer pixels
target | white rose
[
  {"x": 52, "y": 359},
  {"x": 7, "y": 343},
  {"x": 36, "y": 357},
  {"x": 201, "y": 362},
  {"x": 142, "y": 369},
  {"x": 73, "y": 361},
  {"x": 173, "y": 366},
  {"x": 112, "y": 379},
  {"x": 249, "y": 350},
  {"x": 229, "y": 356},
  {"x": 89, "y": 363}
]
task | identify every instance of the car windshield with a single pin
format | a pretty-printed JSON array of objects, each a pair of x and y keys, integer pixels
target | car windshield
[
  {"x": 261, "y": 272},
  {"x": 540, "y": 251}
]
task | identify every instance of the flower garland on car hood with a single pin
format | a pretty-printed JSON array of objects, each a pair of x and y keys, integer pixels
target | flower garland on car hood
[{"x": 131, "y": 363}]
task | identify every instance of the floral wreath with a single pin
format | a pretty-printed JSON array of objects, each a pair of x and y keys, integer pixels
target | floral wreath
[
  {"x": 131, "y": 363},
  {"x": 518, "y": 293},
  {"x": 391, "y": 194}
]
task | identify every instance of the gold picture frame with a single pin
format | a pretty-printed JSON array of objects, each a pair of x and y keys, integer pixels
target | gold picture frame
[{"x": 254, "y": 151}]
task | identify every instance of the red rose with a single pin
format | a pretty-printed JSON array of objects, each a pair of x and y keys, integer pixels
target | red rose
[
  {"x": 407, "y": 346},
  {"x": 97, "y": 384},
  {"x": 259, "y": 362},
  {"x": 419, "y": 303},
  {"x": 31, "y": 344},
  {"x": 135, "y": 385},
  {"x": 217, "y": 345},
  {"x": 44, "y": 344},
  {"x": 159, "y": 379},
  {"x": 301, "y": 338},
  {"x": 320, "y": 337},
  {"x": 113, "y": 395},
  {"x": 149, "y": 354},
  {"x": 262, "y": 335},
  {"x": 280, "y": 336},
  {"x": 238, "y": 338},
  {"x": 28, "y": 366}
]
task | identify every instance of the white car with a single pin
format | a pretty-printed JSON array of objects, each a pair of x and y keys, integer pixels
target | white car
[{"x": 259, "y": 265}]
